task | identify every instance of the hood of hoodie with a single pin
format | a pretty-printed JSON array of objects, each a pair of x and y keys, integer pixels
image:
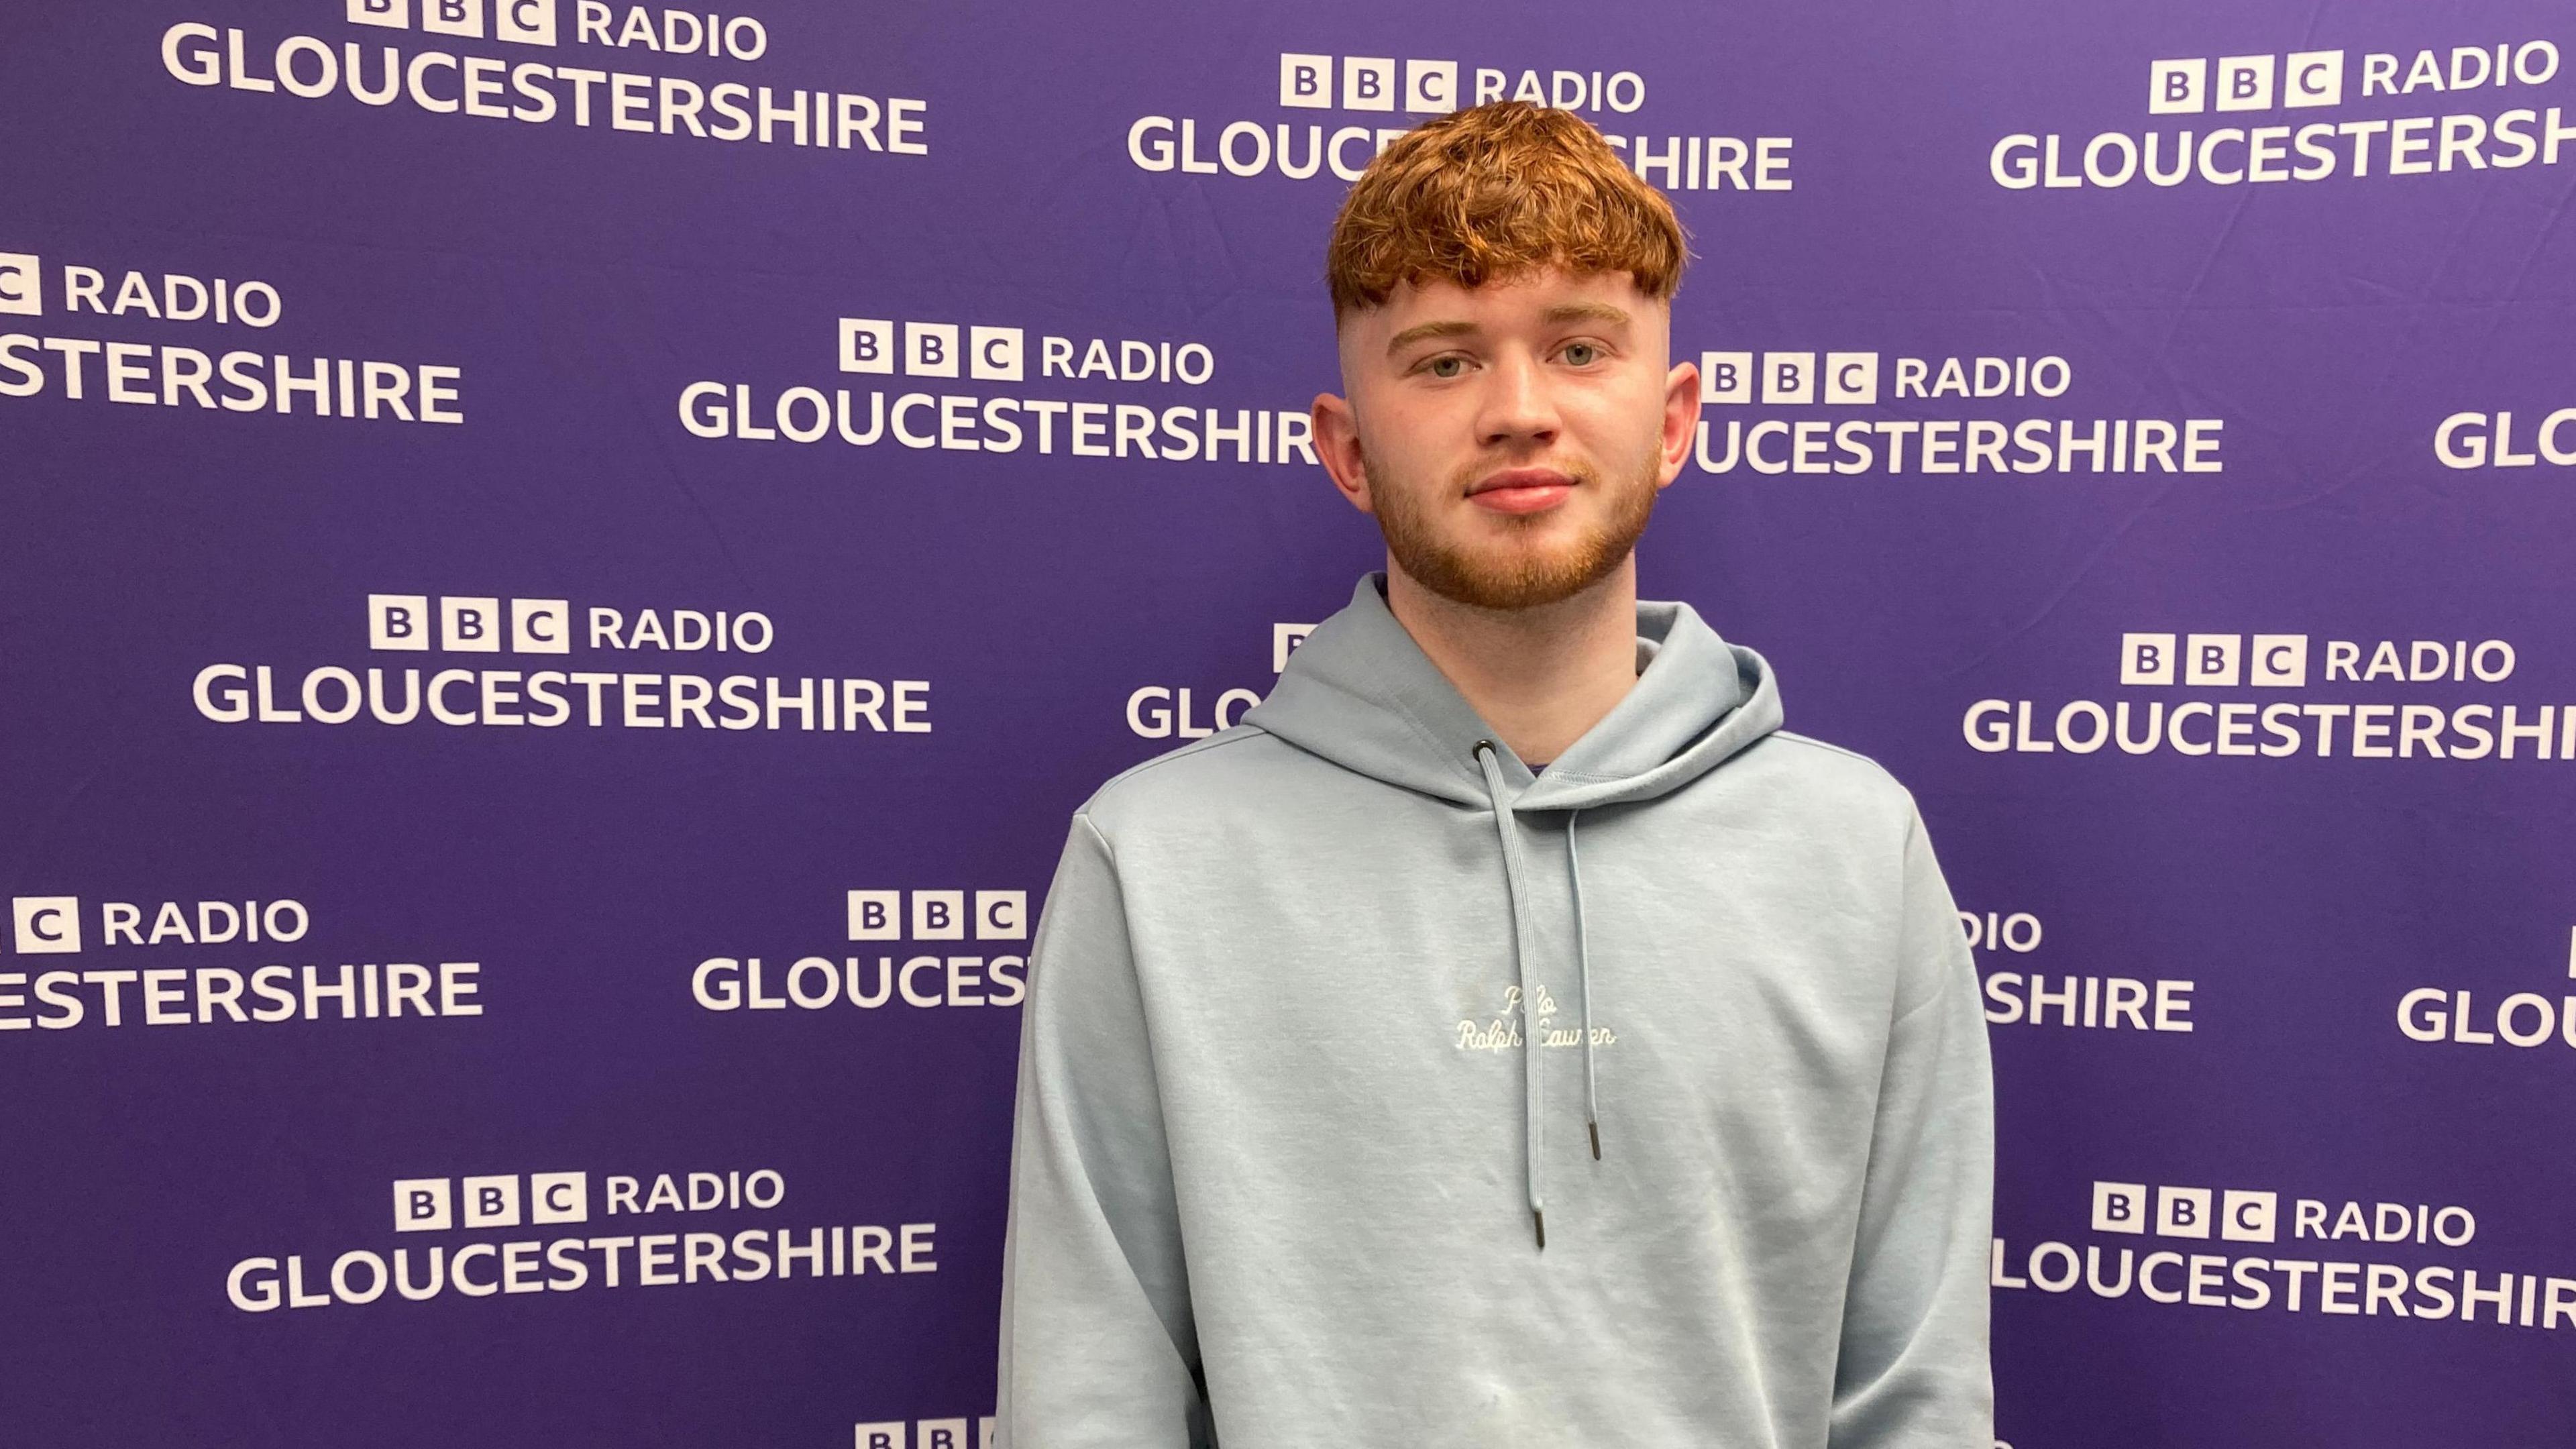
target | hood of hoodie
[{"x": 1360, "y": 693}]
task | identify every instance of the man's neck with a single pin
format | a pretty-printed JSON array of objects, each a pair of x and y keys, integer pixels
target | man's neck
[{"x": 1541, "y": 677}]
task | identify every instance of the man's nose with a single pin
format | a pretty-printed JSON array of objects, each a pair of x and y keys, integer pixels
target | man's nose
[{"x": 1518, "y": 405}]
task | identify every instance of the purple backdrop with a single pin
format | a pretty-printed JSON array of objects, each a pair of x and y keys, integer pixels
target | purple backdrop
[{"x": 566, "y": 564}]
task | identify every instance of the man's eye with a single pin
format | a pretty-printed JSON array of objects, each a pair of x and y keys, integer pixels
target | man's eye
[
  {"x": 1582, "y": 354},
  {"x": 1446, "y": 366}
]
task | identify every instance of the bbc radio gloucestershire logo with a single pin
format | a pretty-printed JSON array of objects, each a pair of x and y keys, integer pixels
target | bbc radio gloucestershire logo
[
  {"x": 651, "y": 668},
  {"x": 1115, "y": 398},
  {"x": 2257, "y": 697},
  {"x": 2444, "y": 1017},
  {"x": 2019, "y": 992},
  {"x": 124, "y": 335},
  {"x": 1369, "y": 92},
  {"x": 2315, "y": 115},
  {"x": 210, "y": 963},
  {"x": 723, "y": 1228},
  {"x": 1164, "y": 711},
  {"x": 2259, "y": 1250},
  {"x": 941, "y": 976},
  {"x": 538, "y": 62},
  {"x": 1790, "y": 411}
]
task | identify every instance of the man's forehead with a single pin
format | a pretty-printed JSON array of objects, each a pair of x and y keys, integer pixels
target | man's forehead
[{"x": 1536, "y": 295}]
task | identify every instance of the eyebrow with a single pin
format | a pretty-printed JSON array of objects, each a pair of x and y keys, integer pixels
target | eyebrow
[
  {"x": 1569, "y": 312},
  {"x": 1585, "y": 312},
  {"x": 1426, "y": 331}
]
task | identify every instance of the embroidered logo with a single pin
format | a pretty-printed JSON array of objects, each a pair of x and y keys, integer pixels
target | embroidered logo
[{"x": 1503, "y": 1032}]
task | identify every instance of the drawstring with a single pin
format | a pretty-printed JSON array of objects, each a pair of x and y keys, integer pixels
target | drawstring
[
  {"x": 1533, "y": 1051},
  {"x": 1583, "y": 982},
  {"x": 1533, "y": 1045}
]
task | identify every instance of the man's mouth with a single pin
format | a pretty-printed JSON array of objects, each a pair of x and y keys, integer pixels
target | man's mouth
[{"x": 1521, "y": 490}]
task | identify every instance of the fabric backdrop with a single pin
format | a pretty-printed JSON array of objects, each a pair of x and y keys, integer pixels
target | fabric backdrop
[{"x": 565, "y": 565}]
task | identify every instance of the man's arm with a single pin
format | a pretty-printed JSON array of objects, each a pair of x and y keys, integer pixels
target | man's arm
[
  {"x": 1098, "y": 1345},
  {"x": 1913, "y": 1373}
]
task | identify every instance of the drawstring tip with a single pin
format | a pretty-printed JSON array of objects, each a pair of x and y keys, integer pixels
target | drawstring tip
[
  {"x": 1595, "y": 1129},
  {"x": 1540, "y": 1219}
]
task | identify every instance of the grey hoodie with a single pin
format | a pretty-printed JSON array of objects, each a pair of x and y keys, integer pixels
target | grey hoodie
[{"x": 1321, "y": 1008}]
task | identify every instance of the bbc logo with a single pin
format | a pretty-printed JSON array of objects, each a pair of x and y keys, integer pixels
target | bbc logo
[
  {"x": 2187, "y": 1212},
  {"x": 939, "y": 916},
  {"x": 931, "y": 349},
  {"x": 2245, "y": 83},
  {"x": 22, "y": 289},
  {"x": 1368, "y": 84},
  {"x": 529, "y": 22},
  {"x": 2269, "y": 661},
  {"x": 1847, "y": 378},
  {"x": 927, "y": 1434},
  {"x": 432, "y": 1204},
  {"x": 469, "y": 625},
  {"x": 46, "y": 925}
]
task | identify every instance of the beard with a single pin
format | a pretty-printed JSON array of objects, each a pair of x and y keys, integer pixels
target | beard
[{"x": 1517, "y": 571}]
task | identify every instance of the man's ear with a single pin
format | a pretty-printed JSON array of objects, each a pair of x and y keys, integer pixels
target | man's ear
[
  {"x": 1336, "y": 431},
  {"x": 1681, "y": 421}
]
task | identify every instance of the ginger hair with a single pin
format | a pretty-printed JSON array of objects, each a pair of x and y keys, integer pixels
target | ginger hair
[{"x": 1493, "y": 191}]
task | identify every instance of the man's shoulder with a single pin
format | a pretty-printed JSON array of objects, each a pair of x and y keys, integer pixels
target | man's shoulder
[
  {"x": 1819, "y": 775},
  {"x": 1226, "y": 771}
]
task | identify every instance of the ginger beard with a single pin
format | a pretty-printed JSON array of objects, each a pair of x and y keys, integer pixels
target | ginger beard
[{"x": 1521, "y": 569}]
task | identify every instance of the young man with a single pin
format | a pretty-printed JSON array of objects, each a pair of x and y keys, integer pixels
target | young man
[{"x": 1508, "y": 1036}]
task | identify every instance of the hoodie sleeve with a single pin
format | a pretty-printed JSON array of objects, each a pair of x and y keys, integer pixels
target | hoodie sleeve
[
  {"x": 1098, "y": 1347},
  {"x": 1913, "y": 1371}
]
